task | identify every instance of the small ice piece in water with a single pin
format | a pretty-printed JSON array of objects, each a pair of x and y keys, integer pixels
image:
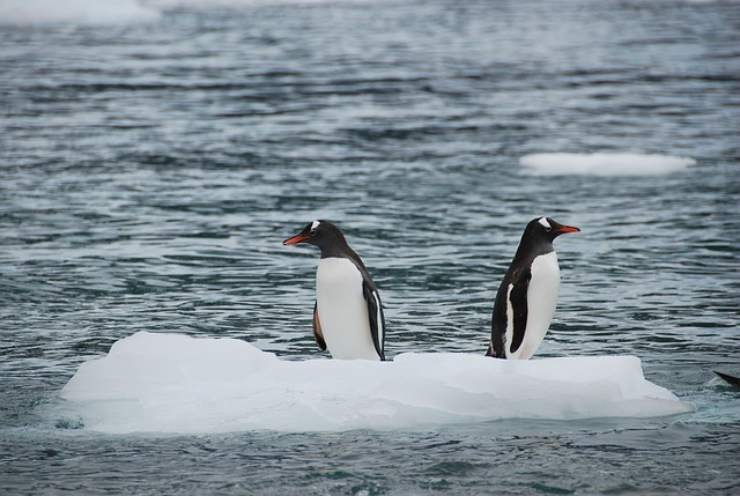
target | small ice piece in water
[
  {"x": 174, "y": 383},
  {"x": 603, "y": 164},
  {"x": 27, "y": 12}
]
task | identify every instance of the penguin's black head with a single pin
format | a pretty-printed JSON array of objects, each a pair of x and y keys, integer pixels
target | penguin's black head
[
  {"x": 548, "y": 229},
  {"x": 319, "y": 233}
]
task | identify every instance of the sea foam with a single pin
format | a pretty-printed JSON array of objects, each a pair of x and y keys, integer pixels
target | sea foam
[
  {"x": 174, "y": 383},
  {"x": 603, "y": 164}
]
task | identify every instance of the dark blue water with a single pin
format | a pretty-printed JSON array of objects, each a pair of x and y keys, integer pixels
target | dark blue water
[{"x": 149, "y": 171}]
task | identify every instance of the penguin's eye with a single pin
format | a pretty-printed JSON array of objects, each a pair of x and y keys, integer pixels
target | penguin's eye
[
  {"x": 548, "y": 229},
  {"x": 313, "y": 232}
]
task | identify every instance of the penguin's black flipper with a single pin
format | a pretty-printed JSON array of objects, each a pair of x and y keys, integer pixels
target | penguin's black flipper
[
  {"x": 518, "y": 299},
  {"x": 317, "y": 328},
  {"x": 729, "y": 379},
  {"x": 375, "y": 316},
  {"x": 497, "y": 343}
]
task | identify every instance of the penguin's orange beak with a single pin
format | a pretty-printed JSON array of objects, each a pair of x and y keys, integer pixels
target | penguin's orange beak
[
  {"x": 568, "y": 229},
  {"x": 298, "y": 238}
]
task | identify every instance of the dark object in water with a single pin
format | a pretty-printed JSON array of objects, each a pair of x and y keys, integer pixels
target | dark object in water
[{"x": 730, "y": 379}]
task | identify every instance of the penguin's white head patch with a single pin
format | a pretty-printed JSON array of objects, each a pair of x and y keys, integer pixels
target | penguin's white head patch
[
  {"x": 544, "y": 223},
  {"x": 315, "y": 224}
]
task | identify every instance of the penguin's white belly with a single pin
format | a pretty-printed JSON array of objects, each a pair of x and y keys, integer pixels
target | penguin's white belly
[
  {"x": 542, "y": 297},
  {"x": 343, "y": 310}
]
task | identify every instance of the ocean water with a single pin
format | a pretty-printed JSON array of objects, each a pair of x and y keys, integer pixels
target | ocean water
[{"x": 154, "y": 156}]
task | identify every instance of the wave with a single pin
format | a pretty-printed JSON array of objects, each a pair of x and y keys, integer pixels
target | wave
[
  {"x": 603, "y": 164},
  {"x": 175, "y": 383}
]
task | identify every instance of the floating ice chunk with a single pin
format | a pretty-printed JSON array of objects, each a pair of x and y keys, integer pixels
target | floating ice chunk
[
  {"x": 603, "y": 164},
  {"x": 175, "y": 383},
  {"x": 29, "y": 12},
  {"x": 75, "y": 11}
]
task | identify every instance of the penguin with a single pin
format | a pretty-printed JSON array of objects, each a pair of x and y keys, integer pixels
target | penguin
[
  {"x": 729, "y": 379},
  {"x": 348, "y": 312},
  {"x": 525, "y": 301}
]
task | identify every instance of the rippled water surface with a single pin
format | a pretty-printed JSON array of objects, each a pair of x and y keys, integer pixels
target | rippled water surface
[{"x": 149, "y": 171}]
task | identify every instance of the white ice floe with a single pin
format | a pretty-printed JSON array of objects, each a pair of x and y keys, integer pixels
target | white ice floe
[
  {"x": 175, "y": 383},
  {"x": 75, "y": 11},
  {"x": 603, "y": 164},
  {"x": 86, "y": 12}
]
